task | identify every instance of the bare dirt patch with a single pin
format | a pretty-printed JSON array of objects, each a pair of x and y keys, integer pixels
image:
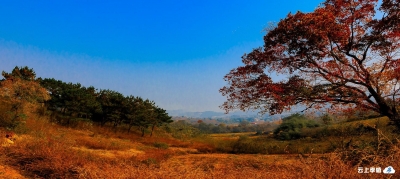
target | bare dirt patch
[
  {"x": 111, "y": 153},
  {"x": 183, "y": 150}
]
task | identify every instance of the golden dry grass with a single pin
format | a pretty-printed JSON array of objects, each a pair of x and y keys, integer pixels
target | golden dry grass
[
  {"x": 10, "y": 173},
  {"x": 51, "y": 151}
]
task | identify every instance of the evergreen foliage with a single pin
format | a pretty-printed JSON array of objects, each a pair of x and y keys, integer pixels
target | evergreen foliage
[{"x": 69, "y": 102}]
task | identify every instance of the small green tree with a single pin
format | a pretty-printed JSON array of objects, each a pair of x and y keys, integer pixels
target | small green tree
[
  {"x": 20, "y": 91},
  {"x": 147, "y": 116},
  {"x": 291, "y": 126},
  {"x": 111, "y": 103},
  {"x": 162, "y": 117},
  {"x": 131, "y": 110}
]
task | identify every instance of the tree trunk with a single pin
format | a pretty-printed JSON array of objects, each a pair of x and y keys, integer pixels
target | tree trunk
[
  {"x": 103, "y": 121},
  {"x": 142, "y": 129},
  {"x": 152, "y": 129},
  {"x": 394, "y": 120},
  {"x": 129, "y": 128},
  {"x": 389, "y": 111}
]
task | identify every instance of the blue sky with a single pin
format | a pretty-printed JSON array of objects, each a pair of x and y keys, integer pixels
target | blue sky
[{"x": 173, "y": 52}]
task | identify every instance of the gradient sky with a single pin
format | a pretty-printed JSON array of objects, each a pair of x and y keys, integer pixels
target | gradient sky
[{"x": 173, "y": 52}]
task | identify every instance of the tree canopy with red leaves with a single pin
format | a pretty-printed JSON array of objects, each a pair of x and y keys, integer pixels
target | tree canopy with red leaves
[{"x": 345, "y": 53}]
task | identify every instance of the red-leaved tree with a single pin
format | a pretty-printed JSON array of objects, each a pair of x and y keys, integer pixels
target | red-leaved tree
[{"x": 344, "y": 53}]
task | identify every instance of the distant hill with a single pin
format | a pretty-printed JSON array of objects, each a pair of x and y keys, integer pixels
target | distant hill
[
  {"x": 218, "y": 115},
  {"x": 251, "y": 115},
  {"x": 204, "y": 114}
]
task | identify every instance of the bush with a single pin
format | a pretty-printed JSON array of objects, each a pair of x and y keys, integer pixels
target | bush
[
  {"x": 327, "y": 119},
  {"x": 246, "y": 145},
  {"x": 292, "y": 125},
  {"x": 160, "y": 145}
]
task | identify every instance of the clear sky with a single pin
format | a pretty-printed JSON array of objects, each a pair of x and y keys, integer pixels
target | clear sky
[{"x": 173, "y": 52}]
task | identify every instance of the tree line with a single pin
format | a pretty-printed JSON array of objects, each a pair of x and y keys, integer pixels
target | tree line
[
  {"x": 205, "y": 127},
  {"x": 68, "y": 101}
]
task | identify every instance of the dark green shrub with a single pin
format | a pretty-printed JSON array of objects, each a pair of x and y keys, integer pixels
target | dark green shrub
[
  {"x": 292, "y": 125},
  {"x": 246, "y": 145},
  {"x": 160, "y": 145},
  {"x": 150, "y": 161}
]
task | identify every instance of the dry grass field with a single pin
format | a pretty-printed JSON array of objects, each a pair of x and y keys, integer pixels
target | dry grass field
[{"x": 51, "y": 151}]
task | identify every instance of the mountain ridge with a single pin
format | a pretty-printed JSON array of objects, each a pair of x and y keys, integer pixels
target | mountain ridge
[{"x": 213, "y": 114}]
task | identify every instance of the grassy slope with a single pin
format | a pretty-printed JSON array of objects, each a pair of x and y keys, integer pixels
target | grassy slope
[{"x": 51, "y": 151}]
